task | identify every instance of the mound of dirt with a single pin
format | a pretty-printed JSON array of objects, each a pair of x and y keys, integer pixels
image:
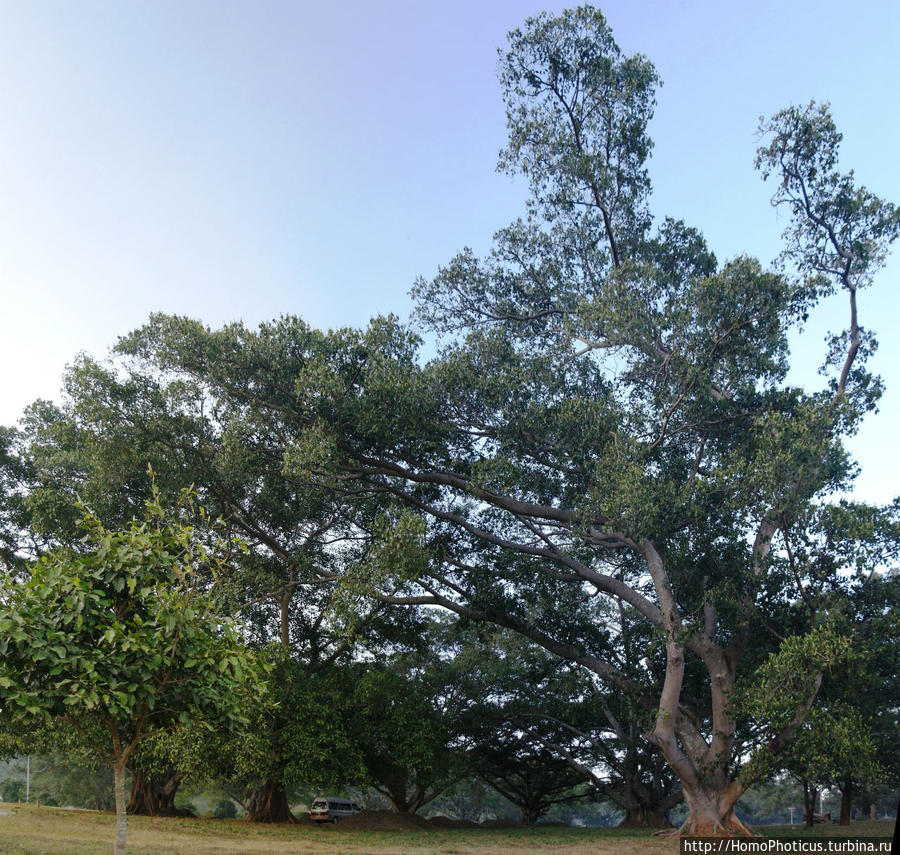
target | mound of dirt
[
  {"x": 383, "y": 820},
  {"x": 441, "y": 821},
  {"x": 501, "y": 823}
]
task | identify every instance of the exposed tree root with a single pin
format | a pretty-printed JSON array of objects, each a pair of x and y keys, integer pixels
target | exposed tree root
[{"x": 729, "y": 826}]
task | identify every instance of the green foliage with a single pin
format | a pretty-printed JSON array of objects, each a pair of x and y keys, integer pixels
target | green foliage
[
  {"x": 608, "y": 420},
  {"x": 471, "y": 800},
  {"x": 297, "y": 734},
  {"x": 779, "y": 700},
  {"x": 592, "y": 737},
  {"x": 787, "y": 680},
  {"x": 225, "y": 809},
  {"x": 833, "y": 745},
  {"x": 12, "y": 790},
  {"x": 398, "y": 554},
  {"x": 617, "y": 398},
  {"x": 120, "y": 633},
  {"x": 404, "y": 726},
  {"x": 577, "y": 112},
  {"x": 60, "y": 779},
  {"x": 838, "y": 231},
  {"x": 524, "y": 772},
  {"x": 14, "y": 476}
]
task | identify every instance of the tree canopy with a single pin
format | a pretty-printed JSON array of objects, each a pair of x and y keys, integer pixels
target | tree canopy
[{"x": 109, "y": 638}]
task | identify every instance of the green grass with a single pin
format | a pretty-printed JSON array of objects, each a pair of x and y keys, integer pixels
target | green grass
[
  {"x": 862, "y": 828},
  {"x": 28, "y": 830}
]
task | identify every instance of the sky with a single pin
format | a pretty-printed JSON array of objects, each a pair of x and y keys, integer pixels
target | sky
[{"x": 243, "y": 160}]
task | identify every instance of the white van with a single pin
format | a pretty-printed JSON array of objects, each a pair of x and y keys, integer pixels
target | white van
[{"x": 328, "y": 809}]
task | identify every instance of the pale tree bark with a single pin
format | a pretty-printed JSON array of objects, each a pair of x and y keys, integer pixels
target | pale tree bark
[
  {"x": 702, "y": 766},
  {"x": 121, "y": 818},
  {"x": 120, "y": 756},
  {"x": 712, "y": 811}
]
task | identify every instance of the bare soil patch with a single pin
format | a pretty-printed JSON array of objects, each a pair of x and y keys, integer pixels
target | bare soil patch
[{"x": 441, "y": 821}]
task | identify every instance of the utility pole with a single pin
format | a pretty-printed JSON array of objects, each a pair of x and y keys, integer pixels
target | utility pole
[{"x": 27, "y": 778}]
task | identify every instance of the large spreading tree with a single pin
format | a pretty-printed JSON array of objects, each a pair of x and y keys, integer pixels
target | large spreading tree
[
  {"x": 612, "y": 415},
  {"x": 207, "y": 415}
]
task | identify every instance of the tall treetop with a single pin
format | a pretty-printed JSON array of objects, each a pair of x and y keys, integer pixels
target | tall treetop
[{"x": 577, "y": 112}]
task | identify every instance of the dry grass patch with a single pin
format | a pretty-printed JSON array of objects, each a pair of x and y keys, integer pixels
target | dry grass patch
[
  {"x": 28, "y": 830},
  {"x": 52, "y": 831}
]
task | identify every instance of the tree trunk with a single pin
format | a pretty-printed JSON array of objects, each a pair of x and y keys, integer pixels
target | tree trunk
[
  {"x": 645, "y": 806},
  {"x": 809, "y": 803},
  {"x": 645, "y": 816},
  {"x": 270, "y": 804},
  {"x": 153, "y": 795},
  {"x": 400, "y": 802},
  {"x": 410, "y": 803},
  {"x": 121, "y": 821},
  {"x": 846, "y": 802},
  {"x": 531, "y": 813},
  {"x": 711, "y": 812}
]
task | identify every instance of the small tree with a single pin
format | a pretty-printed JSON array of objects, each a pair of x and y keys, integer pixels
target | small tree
[
  {"x": 832, "y": 746},
  {"x": 118, "y": 636}
]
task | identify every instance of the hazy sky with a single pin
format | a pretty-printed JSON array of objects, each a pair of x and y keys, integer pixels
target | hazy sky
[{"x": 231, "y": 160}]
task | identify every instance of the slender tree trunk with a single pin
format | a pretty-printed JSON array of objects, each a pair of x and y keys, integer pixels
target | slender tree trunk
[
  {"x": 271, "y": 804},
  {"x": 121, "y": 821},
  {"x": 809, "y": 803},
  {"x": 846, "y": 802}
]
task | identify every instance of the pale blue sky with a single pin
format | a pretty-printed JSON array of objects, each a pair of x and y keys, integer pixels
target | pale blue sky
[{"x": 247, "y": 159}]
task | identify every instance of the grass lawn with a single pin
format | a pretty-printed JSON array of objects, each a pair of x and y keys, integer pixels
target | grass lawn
[{"x": 29, "y": 830}]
